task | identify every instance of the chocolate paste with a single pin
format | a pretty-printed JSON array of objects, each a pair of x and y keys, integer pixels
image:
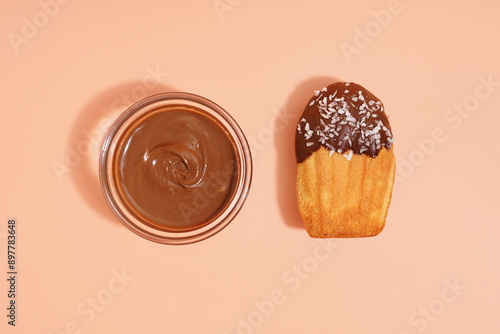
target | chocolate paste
[
  {"x": 176, "y": 168},
  {"x": 341, "y": 117}
]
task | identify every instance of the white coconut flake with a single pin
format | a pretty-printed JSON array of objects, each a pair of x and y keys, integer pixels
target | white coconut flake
[{"x": 348, "y": 155}]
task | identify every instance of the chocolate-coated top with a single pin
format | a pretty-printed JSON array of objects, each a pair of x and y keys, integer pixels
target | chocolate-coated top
[{"x": 341, "y": 117}]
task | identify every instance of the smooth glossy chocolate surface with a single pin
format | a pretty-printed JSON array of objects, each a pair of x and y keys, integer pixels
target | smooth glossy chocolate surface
[{"x": 176, "y": 168}]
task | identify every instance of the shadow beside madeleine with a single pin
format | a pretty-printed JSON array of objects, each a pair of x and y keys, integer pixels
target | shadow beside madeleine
[{"x": 285, "y": 146}]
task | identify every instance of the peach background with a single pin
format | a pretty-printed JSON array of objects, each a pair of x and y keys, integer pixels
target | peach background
[{"x": 260, "y": 61}]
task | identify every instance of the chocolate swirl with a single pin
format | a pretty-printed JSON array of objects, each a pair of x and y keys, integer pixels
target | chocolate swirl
[
  {"x": 173, "y": 165},
  {"x": 343, "y": 117},
  {"x": 176, "y": 168}
]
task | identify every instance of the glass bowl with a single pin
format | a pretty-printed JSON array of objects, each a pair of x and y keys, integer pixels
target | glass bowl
[{"x": 124, "y": 209}]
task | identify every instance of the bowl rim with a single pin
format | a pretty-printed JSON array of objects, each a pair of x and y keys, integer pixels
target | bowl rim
[{"x": 235, "y": 204}]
